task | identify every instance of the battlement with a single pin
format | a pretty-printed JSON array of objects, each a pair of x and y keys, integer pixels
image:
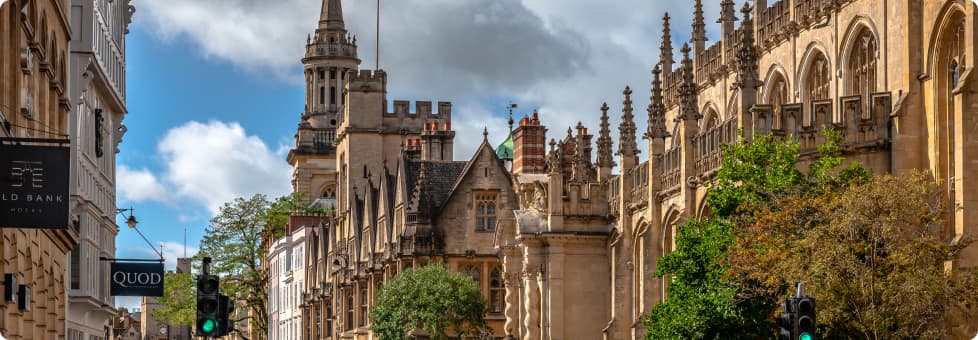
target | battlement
[
  {"x": 422, "y": 109},
  {"x": 366, "y": 76}
]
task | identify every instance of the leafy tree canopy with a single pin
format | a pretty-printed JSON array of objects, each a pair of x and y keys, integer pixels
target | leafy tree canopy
[
  {"x": 874, "y": 255},
  {"x": 704, "y": 301},
  {"x": 429, "y": 298},
  {"x": 178, "y": 300}
]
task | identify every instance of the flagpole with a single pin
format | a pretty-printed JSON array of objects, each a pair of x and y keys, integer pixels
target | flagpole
[{"x": 377, "y": 49}]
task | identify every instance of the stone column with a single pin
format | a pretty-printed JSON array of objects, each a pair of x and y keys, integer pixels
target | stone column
[
  {"x": 531, "y": 276},
  {"x": 511, "y": 275}
]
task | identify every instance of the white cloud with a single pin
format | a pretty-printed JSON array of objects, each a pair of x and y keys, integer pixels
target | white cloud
[
  {"x": 139, "y": 186},
  {"x": 563, "y": 57},
  {"x": 214, "y": 163}
]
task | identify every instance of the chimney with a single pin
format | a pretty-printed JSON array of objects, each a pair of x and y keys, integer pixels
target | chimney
[{"x": 530, "y": 146}]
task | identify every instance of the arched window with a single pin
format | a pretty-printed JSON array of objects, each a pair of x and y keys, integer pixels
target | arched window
[
  {"x": 861, "y": 68},
  {"x": 497, "y": 291},
  {"x": 322, "y": 95},
  {"x": 473, "y": 271},
  {"x": 776, "y": 96},
  {"x": 332, "y": 95},
  {"x": 956, "y": 58},
  {"x": 817, "y": 82}
]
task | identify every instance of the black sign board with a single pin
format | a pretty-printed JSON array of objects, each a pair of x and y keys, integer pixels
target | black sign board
[
  {"x": 34, "y": 186},
  {"x": 136, "y": 279}
]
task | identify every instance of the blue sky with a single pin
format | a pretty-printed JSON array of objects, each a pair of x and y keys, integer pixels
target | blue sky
[{"x": 214, "y": 90}]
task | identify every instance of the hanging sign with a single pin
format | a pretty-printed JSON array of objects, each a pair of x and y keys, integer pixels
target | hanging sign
[
  {"x": 136, "y": 279},
  {"x": 34, "y": 186}
]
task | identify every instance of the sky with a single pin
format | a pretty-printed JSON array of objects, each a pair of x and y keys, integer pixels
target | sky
[{"x": 215, "y": 93}]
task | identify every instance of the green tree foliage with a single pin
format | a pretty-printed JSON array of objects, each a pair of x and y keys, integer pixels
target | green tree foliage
[
  {"x": 704, "y": 300},
  {"x": 178, "y": 300},
  {"x": 234, "y": 241},
  {"x": 873, "y": 254},
  {"x": 432, "y": 299},
  {"x": 702, "y": 303}
]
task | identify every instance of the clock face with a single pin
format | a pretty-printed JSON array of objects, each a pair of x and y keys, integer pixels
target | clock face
[{"x": 163, "y": 330}]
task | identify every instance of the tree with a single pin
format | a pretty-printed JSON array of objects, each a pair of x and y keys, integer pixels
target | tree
[
  {"x": 874, "y": 254},
  {"x": 429, "y": 298},
  {"x": 707, "y": 300},
  {"x": 178, "y": 300},
  {"x": 234, "y": 241}
]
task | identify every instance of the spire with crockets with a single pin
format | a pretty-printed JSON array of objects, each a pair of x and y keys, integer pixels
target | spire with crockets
[
  {"x": 657, "y": 109},
  {"x": 699, "y": 29},
  {"x": 687, "y": 90},
  {"x": 605, "y": 155},
  {"x": 665, "y": 50},
  {"x": 627, "y": 146}
]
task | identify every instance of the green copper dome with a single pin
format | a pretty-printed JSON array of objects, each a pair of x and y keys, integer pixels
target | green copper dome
[{"x": 505, "y": 149}]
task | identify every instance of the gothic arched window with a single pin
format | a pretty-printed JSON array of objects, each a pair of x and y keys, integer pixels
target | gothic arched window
[
  {"x": 861, "y": 68},
  {"x": 818, "y": 80},
  {"x": 777, "y": 95}
]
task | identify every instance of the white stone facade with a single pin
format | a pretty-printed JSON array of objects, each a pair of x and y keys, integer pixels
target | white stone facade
[{"x": 97, "y": 96}]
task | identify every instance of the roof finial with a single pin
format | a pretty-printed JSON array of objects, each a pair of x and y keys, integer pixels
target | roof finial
[
  {"x": 627, "y": 146},
  {"x": 699, "y": 27},
  {"x": 485, "y": 134},
  {"x": 665, "y": 50},
  {"x": 605, "y": 155},
  {"x": 657, "y": 108},
  {"x": 687, "y": 90}
]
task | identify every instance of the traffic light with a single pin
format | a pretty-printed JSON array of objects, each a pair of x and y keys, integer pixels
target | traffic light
[
  {"x": 786, "y": 321},
  {"x": 806, "y": 318},
  {"x": 208, "y": 306},
  {"x": 224, "y": 316}
]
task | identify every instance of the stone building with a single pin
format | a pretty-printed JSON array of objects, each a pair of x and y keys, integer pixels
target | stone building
[
  {"x": 34, "y": 103},
  {"x": 561, "y": 245},
  {"x": 125, "y": 326},
  {"x": 98, "y": 100},
  {"x": 892, "y": 77}
]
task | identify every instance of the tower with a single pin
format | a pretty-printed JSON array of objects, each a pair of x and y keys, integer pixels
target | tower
[{"x": 330, "y": 54}]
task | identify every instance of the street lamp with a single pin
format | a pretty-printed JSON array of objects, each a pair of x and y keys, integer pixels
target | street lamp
[{"x": 132, "y": 222}]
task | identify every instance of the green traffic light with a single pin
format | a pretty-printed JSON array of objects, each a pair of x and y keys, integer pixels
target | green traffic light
[
  {"x": 209, "y": 326},
  {"x": 805, "y": 336}
]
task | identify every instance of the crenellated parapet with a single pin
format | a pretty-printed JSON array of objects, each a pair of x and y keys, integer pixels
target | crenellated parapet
[{"x": 422, "y": 110}]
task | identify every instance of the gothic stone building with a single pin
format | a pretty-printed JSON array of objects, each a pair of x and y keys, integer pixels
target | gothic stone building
[{"x": 563, "y": 248}]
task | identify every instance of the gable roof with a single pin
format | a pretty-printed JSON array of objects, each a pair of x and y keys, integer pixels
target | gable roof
[
  {"x": 485, "y": 147},
  {"x": 441, "y": 176}
]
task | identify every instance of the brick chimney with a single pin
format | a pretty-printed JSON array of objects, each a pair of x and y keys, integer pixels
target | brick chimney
[{"x": 530, "y": 146}]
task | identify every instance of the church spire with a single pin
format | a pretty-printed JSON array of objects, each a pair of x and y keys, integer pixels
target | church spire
[
  {"x": 627, "y": 146},
  {"x": 331, "y": 16},
  {"x": 605, "y": 156}
]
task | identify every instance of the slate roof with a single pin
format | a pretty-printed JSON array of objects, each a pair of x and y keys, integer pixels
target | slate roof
[{"x": 441, "y": 178}]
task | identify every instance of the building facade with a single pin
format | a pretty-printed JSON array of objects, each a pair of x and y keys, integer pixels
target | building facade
[
  {"x": 98, "y": 105},
  {"x": 286, "y": 261},
  {"x": 562, "y": 246},
  {"x": 34, "y": 103}
]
